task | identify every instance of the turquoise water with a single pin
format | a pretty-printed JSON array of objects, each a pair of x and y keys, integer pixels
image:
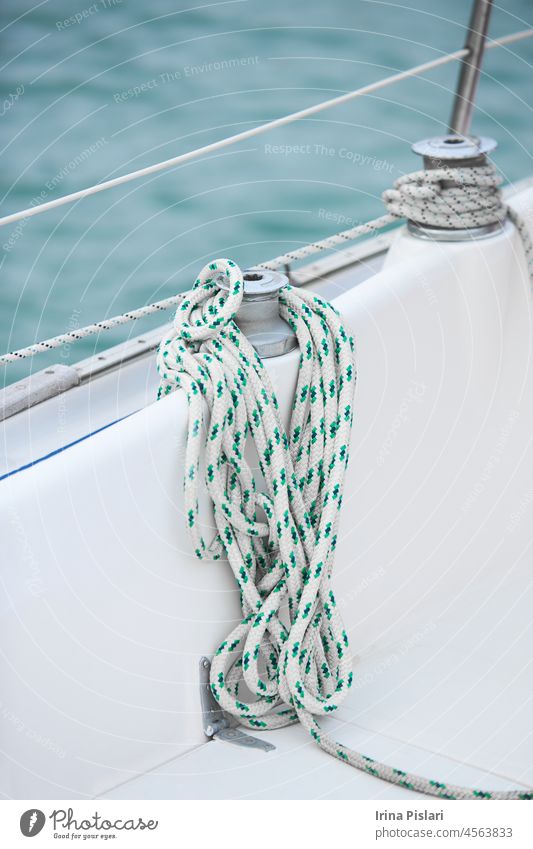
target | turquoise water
[{"x": 91, "y": 91}]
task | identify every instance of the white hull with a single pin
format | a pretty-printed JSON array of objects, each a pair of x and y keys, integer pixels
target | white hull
[{"x": 106, "y": 612}]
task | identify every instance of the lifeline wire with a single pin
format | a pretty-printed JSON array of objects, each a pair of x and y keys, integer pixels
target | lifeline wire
[
  {"x": 290, "y": 651},
  {"x": 309, "y": 111}
]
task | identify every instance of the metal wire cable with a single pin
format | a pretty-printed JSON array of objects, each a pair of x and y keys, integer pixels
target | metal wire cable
[
  {"x": 255, "y": 131},
  {"x": 292, "y": 256}
]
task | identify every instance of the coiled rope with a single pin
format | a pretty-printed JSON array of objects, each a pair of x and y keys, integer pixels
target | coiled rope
[
  {"x": 456, "y": 198},
  {"x": 288, "y": 660},
  {"x": 473, "y": 200}
]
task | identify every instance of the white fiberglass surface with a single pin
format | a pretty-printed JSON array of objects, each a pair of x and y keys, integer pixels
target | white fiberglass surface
[
  {"x": 295, "y": 769},
  {"x": 105, "y": 612}
]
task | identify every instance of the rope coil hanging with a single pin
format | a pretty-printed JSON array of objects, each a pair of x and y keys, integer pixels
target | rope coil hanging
[{"x": 288, "y": 659}]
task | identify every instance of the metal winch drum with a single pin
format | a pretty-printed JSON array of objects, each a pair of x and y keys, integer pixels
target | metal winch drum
[{"x": 258, "y": 317}]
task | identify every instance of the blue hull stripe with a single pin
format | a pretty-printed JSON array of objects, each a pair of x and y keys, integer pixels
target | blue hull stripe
[{"x": 63, "y": 448}]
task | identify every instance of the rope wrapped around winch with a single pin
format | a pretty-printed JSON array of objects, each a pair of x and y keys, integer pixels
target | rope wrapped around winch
[
  {"x": 448, "y": 197},
  {"x": 288, "y": 659}
]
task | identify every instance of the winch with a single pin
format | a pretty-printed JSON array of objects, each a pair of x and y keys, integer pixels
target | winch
[{"x": 258, "y": 316}]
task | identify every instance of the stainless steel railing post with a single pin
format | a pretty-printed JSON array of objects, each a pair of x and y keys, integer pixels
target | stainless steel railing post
[{"x": 467, "y": 84}]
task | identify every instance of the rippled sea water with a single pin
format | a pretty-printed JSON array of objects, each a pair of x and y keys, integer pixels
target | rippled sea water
[{"x": 92, "y": 90}]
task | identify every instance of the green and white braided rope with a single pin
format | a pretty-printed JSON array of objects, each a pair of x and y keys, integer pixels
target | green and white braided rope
[{"x": 288, "y": 659}]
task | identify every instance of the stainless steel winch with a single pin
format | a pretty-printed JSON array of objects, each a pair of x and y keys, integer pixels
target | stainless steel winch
[
  {"x": 259, "y": 317},
  {"x": 454, "y": 151},
  {"x": 460, "y": 149}
]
